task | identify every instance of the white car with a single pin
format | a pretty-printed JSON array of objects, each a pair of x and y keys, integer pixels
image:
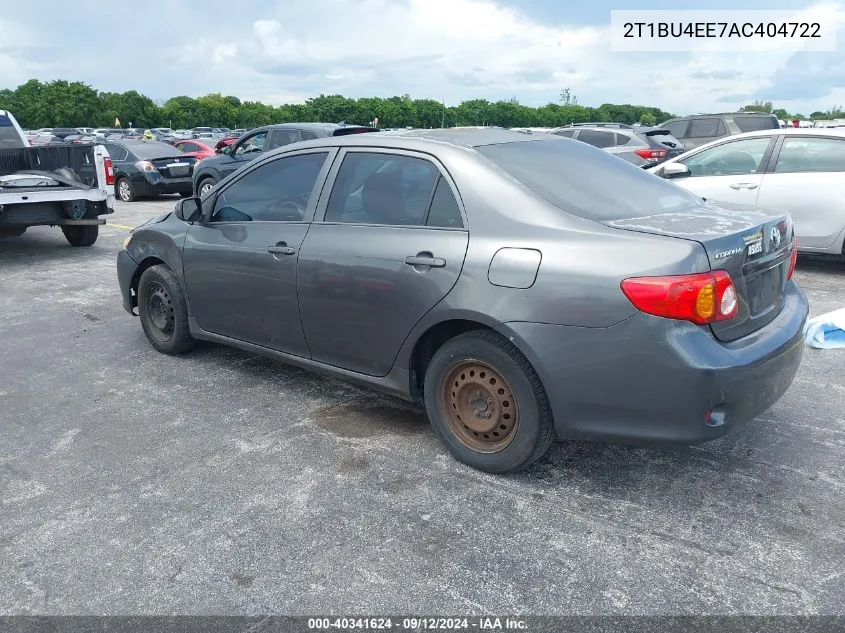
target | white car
[{"x": 799, "y": 170}]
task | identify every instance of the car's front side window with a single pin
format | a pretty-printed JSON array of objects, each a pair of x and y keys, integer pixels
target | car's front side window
[
  {"x": 733, "y": 158},
  {"x": 381, "y": 188},
  {"x": 277, "y": 191},
  {"x": 252, "y": 144}
]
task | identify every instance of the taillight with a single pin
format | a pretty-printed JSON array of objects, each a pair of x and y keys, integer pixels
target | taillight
[
  {"x": 109, "y": 170},
  {"x": 652, "y": 154},
  {"x": 145, "y": 166},
  {"x": 793, "y": 258},
  {"x": 701, "y": 298}
]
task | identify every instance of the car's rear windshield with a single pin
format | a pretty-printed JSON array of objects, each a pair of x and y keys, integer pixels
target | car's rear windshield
[
  {"x": 9, "y": 137},
  {"x": 754, "y": 123},
  {"x": 586, "y": 181},
  {"x": 153, "y": 149}
]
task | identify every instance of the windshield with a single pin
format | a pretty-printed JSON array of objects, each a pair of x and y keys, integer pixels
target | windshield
[
  {"x": 153, "y": 149},
  {"x": 586, "y": 181}
]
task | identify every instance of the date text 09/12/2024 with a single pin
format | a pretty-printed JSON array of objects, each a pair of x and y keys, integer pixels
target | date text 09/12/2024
[{"x": 417, "y": 624}]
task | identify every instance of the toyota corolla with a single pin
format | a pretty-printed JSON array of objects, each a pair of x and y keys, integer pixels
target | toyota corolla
[{"x": 521, "y": 287}]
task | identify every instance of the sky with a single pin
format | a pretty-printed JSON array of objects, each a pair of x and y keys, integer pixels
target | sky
[{"x": 284, "y": 51}]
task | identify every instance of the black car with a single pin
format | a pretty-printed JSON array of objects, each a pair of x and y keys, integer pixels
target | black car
[
  {"x": 252, "y": 144},
  {"x": 149, "y": 168}
]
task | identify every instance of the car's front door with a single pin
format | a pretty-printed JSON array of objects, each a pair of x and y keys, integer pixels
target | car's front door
[
  {"x": 240, "y": 265},
  {"x": 245, "y": 150},
  {"x": 730, "y": 172},
  {"x": 808, "y": 180},
  {"x": 388, "y": 244}
]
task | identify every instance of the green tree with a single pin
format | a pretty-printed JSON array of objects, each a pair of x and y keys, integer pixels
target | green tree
[
  {"x": 758, "y": 106},
  {"x": 647, "y": 118}
]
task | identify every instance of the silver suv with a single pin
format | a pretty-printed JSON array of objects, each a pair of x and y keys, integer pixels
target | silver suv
[
  {"x": 700, "y": 129},
  {"x": 638, "y": 144}
]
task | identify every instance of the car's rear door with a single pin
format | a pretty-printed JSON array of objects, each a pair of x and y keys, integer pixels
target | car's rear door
[
  {"x": 807, "y": 179},
  {"x": 730, "y": 172},
  {"x": 388, "y": 243},
  {"x": 240, "y": 266}
]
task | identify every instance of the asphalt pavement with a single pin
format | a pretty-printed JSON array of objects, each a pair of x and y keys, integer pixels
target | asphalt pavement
[{"x": 225, "y": 483}]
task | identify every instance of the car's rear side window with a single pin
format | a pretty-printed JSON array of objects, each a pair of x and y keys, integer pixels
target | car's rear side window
[
  {"x": 707, "y": 128},
  {"x": 586, "y": 182},
  {"x": 381, "y": 188},
  {"x": 597, "y": 138},
  {"x": 676, "y": 128},
  {"x": 755, "y": 123}
]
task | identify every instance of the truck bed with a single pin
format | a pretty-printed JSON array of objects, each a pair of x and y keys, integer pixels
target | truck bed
[{"x": 80, "y": 158}]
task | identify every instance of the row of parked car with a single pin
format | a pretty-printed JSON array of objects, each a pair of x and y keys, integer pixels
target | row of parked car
[{"x": 744, "y": 159}]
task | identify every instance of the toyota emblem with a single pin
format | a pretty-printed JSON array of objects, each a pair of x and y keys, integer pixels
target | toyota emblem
[{"x": 775, "y": 237}]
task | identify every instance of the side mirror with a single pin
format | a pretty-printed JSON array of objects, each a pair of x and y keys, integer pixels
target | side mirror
[
  {"x": 226, "y": 150},
  {"x": 675, "y": 170},
  {"x": 189, "y": 209}
]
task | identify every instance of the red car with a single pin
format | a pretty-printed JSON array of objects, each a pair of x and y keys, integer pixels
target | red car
[{"x": 197, "y": 149}]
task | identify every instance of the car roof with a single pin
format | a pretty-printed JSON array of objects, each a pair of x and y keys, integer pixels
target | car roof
[
  {"x": 426, "y": 140},
  {"x": 790, "y": 131},
  {"x": 314, "y": 126}
]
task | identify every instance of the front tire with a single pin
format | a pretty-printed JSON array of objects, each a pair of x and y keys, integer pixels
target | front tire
[
  {"x": 487, "y": 404},
  {"x": 205, "y": 185},
  {"x": 124, "y": 189},
  {"x": 163, "y": 311},
  {"x": 84, "y": 235}
]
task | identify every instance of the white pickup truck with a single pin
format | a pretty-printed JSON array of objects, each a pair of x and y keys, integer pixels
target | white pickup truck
[{"x": 69, "y": 186}]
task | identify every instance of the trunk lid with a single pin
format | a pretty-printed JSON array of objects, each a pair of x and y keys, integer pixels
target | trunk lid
[
  {"x": 754, "y": 247},
  {"x": 180, "y": 166}
]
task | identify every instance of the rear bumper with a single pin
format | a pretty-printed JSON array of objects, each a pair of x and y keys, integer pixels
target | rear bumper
[
  {"x": 126, "y": 268},
  {"x": 157, "y": 185},
  {"x": 652, "y": 379}
]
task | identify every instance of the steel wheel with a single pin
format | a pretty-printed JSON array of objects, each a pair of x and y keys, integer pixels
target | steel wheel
[
  {"x": 160, "y": 311},
  {"x": 123, "y": 190},
  {"x": 480, "y": 405}
]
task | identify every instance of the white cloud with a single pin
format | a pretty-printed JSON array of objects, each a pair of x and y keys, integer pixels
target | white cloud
[{"x": 287, "y": 50}]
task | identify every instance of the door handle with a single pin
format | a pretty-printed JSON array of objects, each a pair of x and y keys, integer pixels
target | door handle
[
  {"x": 281, "y": 249},
  {"x": 425, "y": 259},
  {"x": 744, "y": 185}
]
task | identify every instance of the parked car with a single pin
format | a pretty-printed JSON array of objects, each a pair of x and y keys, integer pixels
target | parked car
[
  {"x": 694, "y": 131},
  {"x": 195, "y": 148},
  {"x": 251, "y": 145},
  {"x": 81, "y": 138},
  {"x": 149, "y": 168},
  {"x": 46, "y": 139},
  {"x": 641, "y": 146},
  {"x": 799, "y": 170},
  {"x": 493, "y": 275}
]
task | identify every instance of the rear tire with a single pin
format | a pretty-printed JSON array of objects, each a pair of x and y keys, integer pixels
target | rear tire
[
  {"x": 487, "y": 403},
  {"x": 84, "y": 235},
  {"x": 163, "y": 311},
  {"x": 186, "y": 194},
  {"x": 124, "y": 190}
]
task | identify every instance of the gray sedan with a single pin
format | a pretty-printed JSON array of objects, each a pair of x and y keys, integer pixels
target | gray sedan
[{"x": 522, "y": 287}]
